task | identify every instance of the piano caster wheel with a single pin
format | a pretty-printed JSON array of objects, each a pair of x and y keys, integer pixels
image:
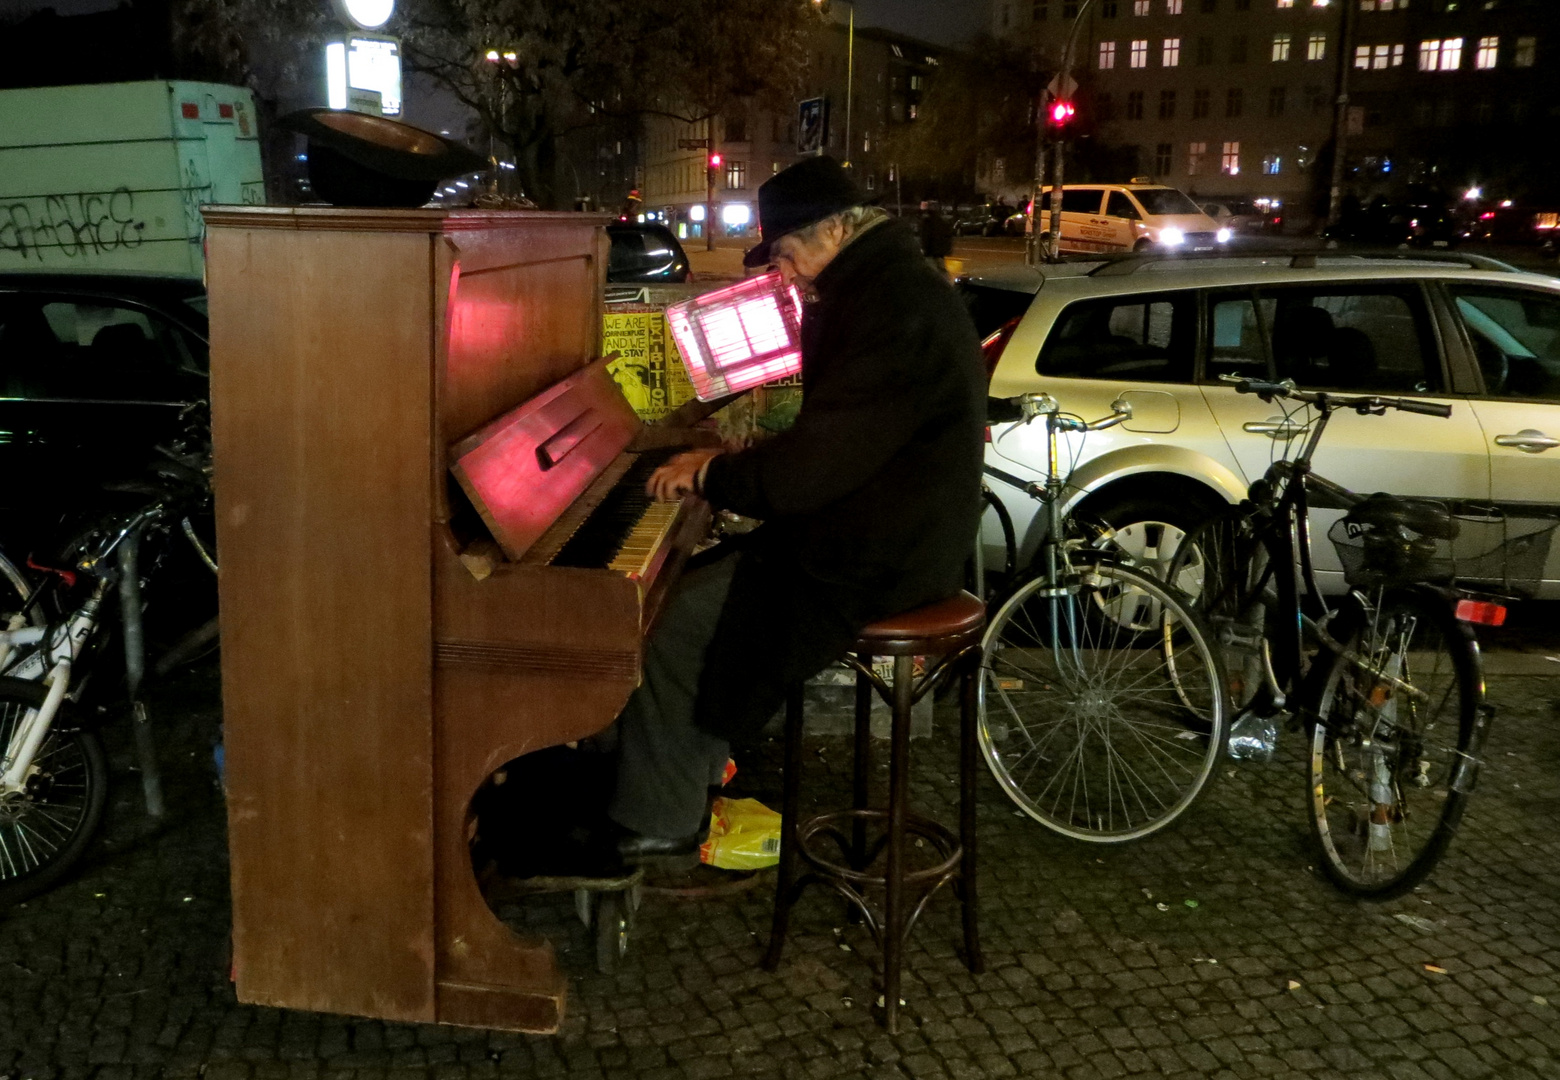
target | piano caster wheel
[{"x": 613, "y": 920}]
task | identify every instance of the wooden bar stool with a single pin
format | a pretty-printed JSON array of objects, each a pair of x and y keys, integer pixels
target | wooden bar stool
[{"x": 950, "y": 631}]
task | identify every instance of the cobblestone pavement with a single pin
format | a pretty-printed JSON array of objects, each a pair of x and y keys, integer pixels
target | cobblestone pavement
[{"x": 121, "y": 972}]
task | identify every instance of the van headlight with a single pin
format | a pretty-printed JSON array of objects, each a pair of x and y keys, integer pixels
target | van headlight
[
  {"x": 1222, "y": 236},
  {"x": 1171, "y": 237}
]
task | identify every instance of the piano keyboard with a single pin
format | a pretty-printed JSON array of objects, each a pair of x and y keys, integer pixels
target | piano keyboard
[{"x": 625, "y": 530}]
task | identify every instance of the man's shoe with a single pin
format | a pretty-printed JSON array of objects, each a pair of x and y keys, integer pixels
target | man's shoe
[{"x": 635, "y": 849}]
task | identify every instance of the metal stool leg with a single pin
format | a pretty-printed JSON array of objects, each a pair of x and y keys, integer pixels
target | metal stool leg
[
  {"x": 968, "y": 754},
  {"x": 790, "y": 810},
  {"x": 862, "y": 757},
  {"x": 898, "y": 799}
]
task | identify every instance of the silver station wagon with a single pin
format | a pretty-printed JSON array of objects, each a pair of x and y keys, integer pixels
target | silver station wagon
[{"x": 1158, "y": 332}]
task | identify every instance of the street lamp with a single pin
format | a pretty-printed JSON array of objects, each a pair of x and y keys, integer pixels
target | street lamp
[{"x": 850, "y": 69}]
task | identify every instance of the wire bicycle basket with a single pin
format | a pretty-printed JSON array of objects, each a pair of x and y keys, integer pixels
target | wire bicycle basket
[{"x": 1491, "y": 551}]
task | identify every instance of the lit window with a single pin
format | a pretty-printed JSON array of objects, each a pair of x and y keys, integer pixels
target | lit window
[
  {"x": 1362, "y": 57},
  {"x": 1195, "y": 152},
  {"x": 1451, "y": 54},
  {"x": 1527, "y": 50},
  {"x": 1172, "y": 7},
  {"x": 1140, "y": 7},
  {"x": 736, "y": 175},
  {"x": 1316, "y": 45},
  {"x": 1271, "y": 165},
  {"x": 1229, "y": 162},
  {"x": 1397, "y": 55},
  {"x": 1286, "y": 3},
  {"x": 1429, "y": 55},
  {"x": 1489, "y": 49},
  {"x": 1107, "y": 55},
  {"x": 1280, "y": 47},
  {"x": 1171, "y": 56},
  {"x": 1140, "y": 53},
  {"x": 1367, "y": 5}
]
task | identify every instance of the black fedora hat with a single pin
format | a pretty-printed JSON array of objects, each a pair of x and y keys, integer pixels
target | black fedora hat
[
  {"x": 367, "y": 160},
  {"x": 806, "y": 193}
]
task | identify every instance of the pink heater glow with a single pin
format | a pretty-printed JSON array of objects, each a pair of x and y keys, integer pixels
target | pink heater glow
[{"x": 738, "y": 337}]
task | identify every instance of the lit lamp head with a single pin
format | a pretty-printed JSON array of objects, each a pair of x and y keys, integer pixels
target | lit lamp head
[{"x": 364, "y": 14}]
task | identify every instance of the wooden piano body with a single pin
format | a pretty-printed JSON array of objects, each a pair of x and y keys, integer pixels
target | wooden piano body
[{"x": 371, "y": 682}]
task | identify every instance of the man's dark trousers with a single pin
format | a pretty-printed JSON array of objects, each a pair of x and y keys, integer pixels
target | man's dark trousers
[{"x": 666, "y": 765}]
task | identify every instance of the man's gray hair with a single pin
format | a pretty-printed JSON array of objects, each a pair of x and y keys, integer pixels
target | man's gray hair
[{"x": 854, "y": 220}]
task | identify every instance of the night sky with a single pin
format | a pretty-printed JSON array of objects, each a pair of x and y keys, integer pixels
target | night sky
[{"x": 942, "y": 21}]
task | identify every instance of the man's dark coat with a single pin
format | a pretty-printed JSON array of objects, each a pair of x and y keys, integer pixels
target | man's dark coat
[{"x": 870, "y": 502}]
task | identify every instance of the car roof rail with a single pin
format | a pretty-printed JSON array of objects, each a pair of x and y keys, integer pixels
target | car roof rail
[{"x": 1121, "y": 264}]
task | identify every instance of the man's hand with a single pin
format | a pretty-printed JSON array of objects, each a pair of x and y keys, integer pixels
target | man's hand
[{"x": 679, "y": 476}]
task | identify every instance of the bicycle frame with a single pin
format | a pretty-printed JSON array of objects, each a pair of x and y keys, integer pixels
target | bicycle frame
[{"x": 51, "y": 662}]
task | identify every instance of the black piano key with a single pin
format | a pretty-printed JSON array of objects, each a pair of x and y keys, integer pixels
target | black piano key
[{"x": 599, "y": 538}]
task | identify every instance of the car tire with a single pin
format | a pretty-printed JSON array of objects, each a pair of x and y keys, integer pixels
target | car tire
[
  {"x": 1144, "y": 244},
  {"x": 1146, "y": 530}
]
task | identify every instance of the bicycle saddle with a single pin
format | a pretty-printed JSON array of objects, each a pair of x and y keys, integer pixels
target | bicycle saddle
[{"x": 1422, "y": 516}]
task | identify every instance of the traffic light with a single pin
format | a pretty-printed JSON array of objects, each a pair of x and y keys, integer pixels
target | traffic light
[
  {"x": 715, "y": 160},
  {"x": 1060, "y": 115}
]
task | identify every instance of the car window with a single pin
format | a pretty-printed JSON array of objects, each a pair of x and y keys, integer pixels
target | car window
[
  {"x": 1516, "y": 338},
  {"x": 628, "y": 253},
  {"x": 1368, "y": 338},
  {"x": 60, "y": 348},
  {"x": 1165, "y": 200},
  {"x": 1237, "y": 336},
  {"x": 1084, "y": 201},
  {"x": 991, "y": 309},
  {"x": 1131, "y": 338},
  {"x": 1118, "y": 205}
]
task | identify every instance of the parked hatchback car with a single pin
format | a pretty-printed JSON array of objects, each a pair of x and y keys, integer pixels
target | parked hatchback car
[
  {"x": 94, "y": 372},
  {"x": 644, "y": 253},
  {"x": 1158, "y": 333}
]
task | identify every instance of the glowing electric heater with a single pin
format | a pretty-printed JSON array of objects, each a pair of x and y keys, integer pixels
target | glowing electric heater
[{"x": 738, "y": 337}]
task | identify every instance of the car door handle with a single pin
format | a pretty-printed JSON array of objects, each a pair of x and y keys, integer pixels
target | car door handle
[
  {"x": 1528, "y": 441},
  {"x": 1274, "y": 429}
]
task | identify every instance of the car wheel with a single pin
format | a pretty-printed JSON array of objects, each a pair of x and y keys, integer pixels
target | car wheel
[
  {"x": 1144, "y": 244},
  {"x": 1145, "y": 531}
]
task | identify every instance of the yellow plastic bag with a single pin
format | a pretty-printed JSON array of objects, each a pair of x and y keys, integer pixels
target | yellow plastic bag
[{"x": 744, "y": 835}]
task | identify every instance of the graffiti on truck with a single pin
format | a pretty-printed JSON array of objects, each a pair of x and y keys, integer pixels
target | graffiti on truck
[{"x": 71, "y": 225}]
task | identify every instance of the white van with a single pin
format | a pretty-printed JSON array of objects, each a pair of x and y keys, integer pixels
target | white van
[
  {"x": 112, "y": 176},
  {"x": 1131, "y": 217}
]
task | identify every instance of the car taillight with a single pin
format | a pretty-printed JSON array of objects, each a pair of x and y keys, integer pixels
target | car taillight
[
  {"x": 991, "y": 348},
  {"x": 1481, "y": 612}
]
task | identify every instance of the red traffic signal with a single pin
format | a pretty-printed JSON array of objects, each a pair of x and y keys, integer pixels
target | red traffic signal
[
  {"x": 715, "y": 160},
  {"x": 1061, "y": 113}
]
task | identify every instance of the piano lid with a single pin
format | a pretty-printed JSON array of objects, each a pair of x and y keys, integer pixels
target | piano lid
[{"x": 526, "y": 468}]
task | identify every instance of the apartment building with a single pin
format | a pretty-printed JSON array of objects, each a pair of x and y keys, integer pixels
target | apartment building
[
  {"x": 856, "y": 89},
  {"x": 1238, "y": 97}
]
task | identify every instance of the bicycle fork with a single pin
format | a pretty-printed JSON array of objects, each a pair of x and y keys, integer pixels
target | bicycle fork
[{"x": 52, "y": 660}]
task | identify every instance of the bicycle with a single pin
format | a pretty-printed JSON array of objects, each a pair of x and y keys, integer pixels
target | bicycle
[
  {"x": 1388, "y": 682},
  {"x": 53, "y": 770},
  {"x": 1101, "y": 706}
]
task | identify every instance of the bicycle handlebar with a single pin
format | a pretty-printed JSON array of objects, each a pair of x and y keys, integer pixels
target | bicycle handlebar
[
  {"x": 1268, "y": 390},
  {"x": 1042, "y": 404}
]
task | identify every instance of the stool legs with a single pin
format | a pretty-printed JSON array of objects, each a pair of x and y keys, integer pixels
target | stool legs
[
  {"x": 898, "y": 797},
  {"x": 790, "y": 811},
  {"x": 969, "y": 717}
]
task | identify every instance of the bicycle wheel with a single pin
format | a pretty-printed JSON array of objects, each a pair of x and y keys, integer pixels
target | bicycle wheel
[
  {"x": 45, "y": 828},
  {"x": 1221, "y": 566},
  {"x": 1097, "y": 730},
  {"x": 1391, "y": 745}
]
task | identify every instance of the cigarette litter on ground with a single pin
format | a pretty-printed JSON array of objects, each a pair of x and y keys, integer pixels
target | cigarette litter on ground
[{"x": 1435, "y": 969}]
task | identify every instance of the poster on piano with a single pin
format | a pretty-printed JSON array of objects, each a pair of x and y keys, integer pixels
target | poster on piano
[{"x": 648, "y": 369}]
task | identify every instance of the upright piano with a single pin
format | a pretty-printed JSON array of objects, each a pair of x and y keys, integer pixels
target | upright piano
[{"x": 432, "y": 562}]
